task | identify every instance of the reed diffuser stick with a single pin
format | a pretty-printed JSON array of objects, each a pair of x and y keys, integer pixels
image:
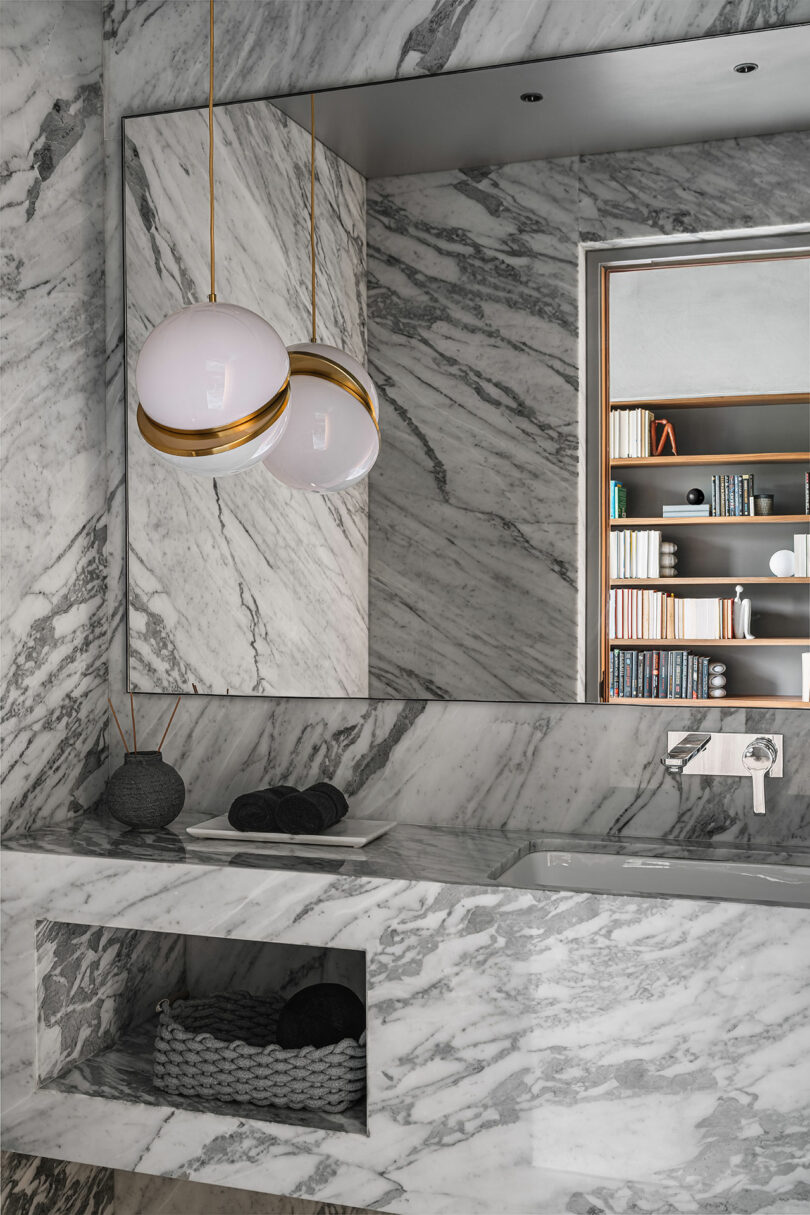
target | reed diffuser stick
[
  {"x": 117, "y": 722},
  {"x": 132, "y": 714},
  {"x": 171, "y": 719}
]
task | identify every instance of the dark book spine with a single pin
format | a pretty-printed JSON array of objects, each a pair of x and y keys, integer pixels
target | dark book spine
[
  {"x": 628, "y": 673},
  {"x": 663, "y": 676},
  {"x": 634, "y": 675},
  {"x": 656, "y": 672},
  {"x": 647, "y": 674}
]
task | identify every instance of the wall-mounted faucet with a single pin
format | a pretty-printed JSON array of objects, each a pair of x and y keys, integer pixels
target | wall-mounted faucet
[
  {"x": 754, "y": 755},
  {"x": 758, "y": 758},
  {"x": 684, "y": 752}
]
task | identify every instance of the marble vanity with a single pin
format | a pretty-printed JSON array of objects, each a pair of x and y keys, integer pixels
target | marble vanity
[{"x": 571, "y": 1050}]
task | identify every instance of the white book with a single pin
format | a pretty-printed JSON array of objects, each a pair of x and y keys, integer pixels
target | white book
[
  {"x": 623, "y": 433},
  {"x": 800, "y": 556},
  {"x": 643, "y": 543}
]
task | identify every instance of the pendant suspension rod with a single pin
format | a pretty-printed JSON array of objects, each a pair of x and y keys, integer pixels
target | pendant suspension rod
[
  {"x": 312, "y": 202},
  {"x": 212, "y": 297}
]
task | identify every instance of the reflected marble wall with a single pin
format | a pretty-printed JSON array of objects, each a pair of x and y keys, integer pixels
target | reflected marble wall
[
  {"x": 474, "y": 500},
  {"x": 239, "y": 582}
]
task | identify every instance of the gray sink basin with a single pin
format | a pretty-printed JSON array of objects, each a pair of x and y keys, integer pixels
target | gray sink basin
[{"x": 623, "y": 874}]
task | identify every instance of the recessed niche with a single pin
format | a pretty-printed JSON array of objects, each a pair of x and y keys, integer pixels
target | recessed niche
[{"x": 97, "y": 988}]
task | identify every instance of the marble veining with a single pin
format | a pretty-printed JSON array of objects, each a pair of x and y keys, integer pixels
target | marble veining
[
  {"x": 522, "y": 1043},
  {"x": 240, "y": 583},
  {"x": 473, "y": 502},
  {"x": 93, "y": 983},
  {"x": 32, "y": 1186},
  {"x": 53, "y": 497},
  {"x": 138, "y": 1194}
]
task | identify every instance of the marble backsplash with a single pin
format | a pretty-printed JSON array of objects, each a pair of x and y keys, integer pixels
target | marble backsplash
[{"x": 459, "y": 760}]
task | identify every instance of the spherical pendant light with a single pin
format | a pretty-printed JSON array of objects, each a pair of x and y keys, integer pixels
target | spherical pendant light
[
  {"x": 213, "y": 388},
  {"x": 212, "y": 379},
  {"x": 332, "y": 438}
]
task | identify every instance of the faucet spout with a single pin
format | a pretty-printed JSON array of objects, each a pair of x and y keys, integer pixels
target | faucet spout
[{"x": 685, "y": 751}]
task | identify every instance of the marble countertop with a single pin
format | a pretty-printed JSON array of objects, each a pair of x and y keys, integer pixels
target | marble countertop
[{"x": 429, "y": 854}]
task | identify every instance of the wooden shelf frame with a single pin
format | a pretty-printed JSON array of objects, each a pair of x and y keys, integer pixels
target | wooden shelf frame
[
  {"x": 716, "y": 702},
  {"x": 713, "y": 520},
  {"x": 720, "y": 402},
  {"x": 724, "y": 580},
  {"x": 685, "y": 643},
  {"x": 751, "y": 457}
]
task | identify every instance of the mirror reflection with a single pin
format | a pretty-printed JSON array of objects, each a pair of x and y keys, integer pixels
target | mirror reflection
[{"x": 451, "y": 218}]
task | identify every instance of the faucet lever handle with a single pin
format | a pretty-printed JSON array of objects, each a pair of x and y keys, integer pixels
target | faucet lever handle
[{"x": 758, "y": 758}]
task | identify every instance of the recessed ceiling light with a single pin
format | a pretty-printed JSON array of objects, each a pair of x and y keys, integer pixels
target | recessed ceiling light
[
  {"x": 745, "y": 68},
  {"x": 531, "y": 96}
]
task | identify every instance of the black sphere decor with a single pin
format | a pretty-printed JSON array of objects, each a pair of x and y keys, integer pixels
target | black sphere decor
[
  {"x": 319, "y": 1016},
  {"x": 695, "y": 497}
]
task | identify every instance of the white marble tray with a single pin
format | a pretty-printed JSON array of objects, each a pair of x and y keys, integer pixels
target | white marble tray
[{"x": 348, "y": 833}]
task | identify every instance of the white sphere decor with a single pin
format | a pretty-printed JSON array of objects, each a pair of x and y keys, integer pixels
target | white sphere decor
[
  {"x": 212, "y": 384},
  {"x": 333, "y": 437},
  {"x": 782, "y": 563}
]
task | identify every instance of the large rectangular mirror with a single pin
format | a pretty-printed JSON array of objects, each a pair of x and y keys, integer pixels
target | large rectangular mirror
[{"x": 449, "y": 227}]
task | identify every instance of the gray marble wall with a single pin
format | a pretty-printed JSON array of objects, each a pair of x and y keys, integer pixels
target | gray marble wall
[
  {"x": 238, "y": 582},
  {"x": 53, "y": 475},
  {"x": 55, "y": 628},
  {"x": 93, "y": 983}
]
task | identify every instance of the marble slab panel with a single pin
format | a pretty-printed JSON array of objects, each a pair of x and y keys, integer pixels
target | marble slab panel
[
  {"x": 93, "y": 983},
  {"x": 238, "y": 583},
  {"x": 33, "y": 1186},
  {"x": 137, "y": 1194},
  {"x": 536, "y": 1045},
  {"x": 53, "y": 475}
]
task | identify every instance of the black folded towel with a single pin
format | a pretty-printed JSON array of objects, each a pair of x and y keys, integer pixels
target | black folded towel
[
  {"x": 257, "y": 811},
  {"x": 312, "y": 811}
]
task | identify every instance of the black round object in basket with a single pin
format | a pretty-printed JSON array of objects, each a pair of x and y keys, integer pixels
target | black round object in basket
[{"x": 319, "y": 1016}]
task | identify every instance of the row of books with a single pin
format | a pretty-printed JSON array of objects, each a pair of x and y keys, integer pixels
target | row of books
[
  {"x": 801, "y": 556},
  {"x": 630, "y": 433},
  {"x": 635, "y": 554},
  {"x": 659, "y": 674},
  {"x": 732, "y": 495},
  {"x": 643, "y": 615},
  {"x": 618, "y": 500},
  {"x": 807, "y": 493}
]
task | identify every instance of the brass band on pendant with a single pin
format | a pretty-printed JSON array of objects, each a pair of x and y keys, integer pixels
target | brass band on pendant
[
  {"x": 216, "y": 439},
  {"x": 305, "y": 362}
]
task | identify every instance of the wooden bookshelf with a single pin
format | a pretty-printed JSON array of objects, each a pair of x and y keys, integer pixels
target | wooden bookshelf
[
  {"x": 752, "y": 457},
  {"x": 713, "y": 520},
  {"x": 730, "y": 402},
  {"x": 725, "y": 580},
  {"x": 782, "y": 431},
  {"x": 717, "y": 702},
  {"x": 687, "y": 643}
]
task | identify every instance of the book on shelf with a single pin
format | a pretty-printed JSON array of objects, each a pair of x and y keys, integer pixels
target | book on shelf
[
  {"x": 801, "y": 556},
  {"x": 682, "y": 510},
  {"x": 635, "y": 554},
  {"x": 630, "y": 433},
  {"x": 659, "y": 675},
  {"x": 807, "y": 493},
  {"x": 732, "y": 495},
  {"x": 618, "y": 500},
  {"x": 642, "y": 615}
]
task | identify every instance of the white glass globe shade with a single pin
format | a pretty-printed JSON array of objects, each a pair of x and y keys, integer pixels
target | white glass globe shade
[
  {"x": 225, "y": 463},
  {"x": 209, "y": 366},
  {"x": 331, "y": 440}
]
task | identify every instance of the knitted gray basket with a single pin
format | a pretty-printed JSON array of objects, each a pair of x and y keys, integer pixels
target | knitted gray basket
[{"x": 223, "y": 1047}]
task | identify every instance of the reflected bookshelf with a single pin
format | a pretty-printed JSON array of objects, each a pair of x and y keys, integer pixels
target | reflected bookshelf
[{"x": 652, "y": 604}]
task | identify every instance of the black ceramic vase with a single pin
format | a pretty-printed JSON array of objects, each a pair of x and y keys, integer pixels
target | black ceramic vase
[{"x": 145, "y": 792}]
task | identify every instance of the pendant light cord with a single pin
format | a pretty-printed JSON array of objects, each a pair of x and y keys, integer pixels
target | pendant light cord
[
  {"x": 213, "y": 296},
  {"x": 311, "y": 201}
]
